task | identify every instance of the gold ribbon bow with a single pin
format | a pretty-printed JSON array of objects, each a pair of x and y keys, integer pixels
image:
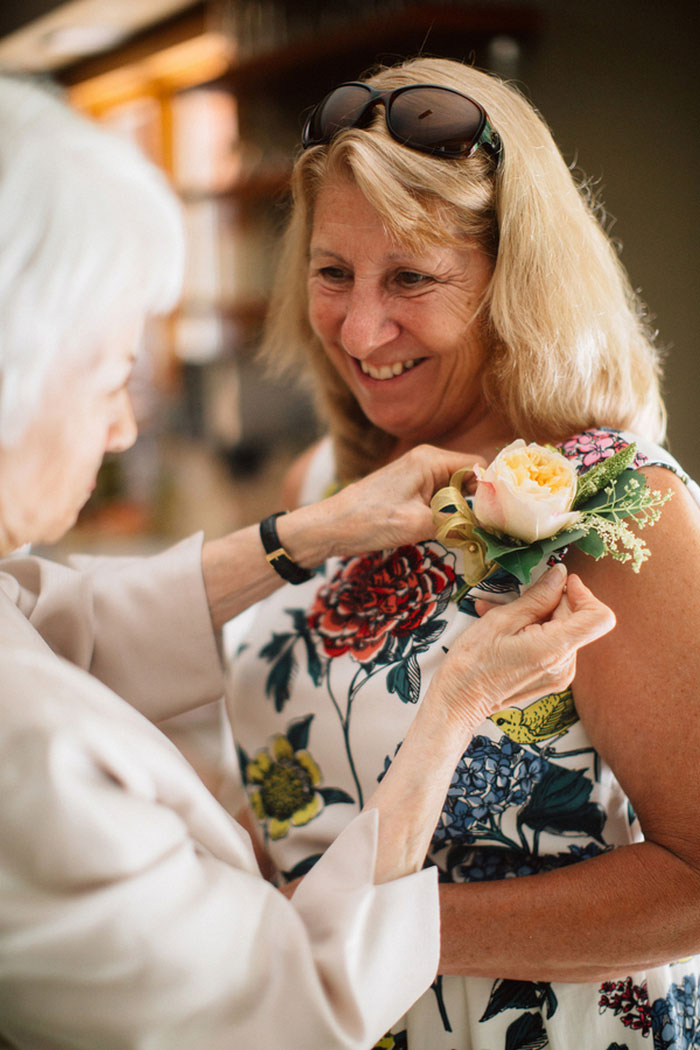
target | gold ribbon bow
[{"x": 454, "y": 524}]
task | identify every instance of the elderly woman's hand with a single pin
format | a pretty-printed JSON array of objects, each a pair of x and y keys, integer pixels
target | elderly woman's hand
[
  {"x": 386, "y": 509},
  {"x": 520, "y": 651}
]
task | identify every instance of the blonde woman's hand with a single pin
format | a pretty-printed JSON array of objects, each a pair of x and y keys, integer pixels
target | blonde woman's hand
[{"x": 519, "y": 651}]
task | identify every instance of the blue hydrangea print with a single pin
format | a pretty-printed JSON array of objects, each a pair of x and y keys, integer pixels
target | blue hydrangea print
[
  {"x": 489, "y": 778},
  {"x": 676, "y": 1019}
]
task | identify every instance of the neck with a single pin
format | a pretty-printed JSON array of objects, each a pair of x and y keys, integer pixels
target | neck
[{"x": 485, "y": 436}]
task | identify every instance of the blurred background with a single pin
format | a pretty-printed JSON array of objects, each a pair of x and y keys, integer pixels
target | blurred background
[{"x": 214, "y": 92}]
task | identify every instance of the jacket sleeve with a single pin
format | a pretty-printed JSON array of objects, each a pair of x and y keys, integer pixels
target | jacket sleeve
[
  {"x": 140, "y": 625},
  {"x": 132, "y": 915}
]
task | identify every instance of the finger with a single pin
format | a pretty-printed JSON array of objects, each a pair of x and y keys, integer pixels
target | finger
[
  {"x": 581, "y": 619},
  {"x": 438, "y": 465},
  {"x": 538, "y": 602}
]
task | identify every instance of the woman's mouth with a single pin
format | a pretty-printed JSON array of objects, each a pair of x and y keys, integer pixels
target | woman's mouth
[{"x": 383, "y": 372}]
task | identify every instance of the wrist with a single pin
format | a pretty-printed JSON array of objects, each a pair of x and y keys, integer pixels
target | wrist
[
  {"x": 455, "y": 706},
  {"x": 277, "y": 555},
  {"x": 310, "y": 535}
]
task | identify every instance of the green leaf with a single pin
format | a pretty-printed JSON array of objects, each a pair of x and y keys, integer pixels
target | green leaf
[
  {"x": 601, "y": 498},
  {"x": 430, "y": 631},
  {"x": 562, "y": 539},
  {"x": 559, "y": 803},
  {"x": 592, "y": 544},
  {"x": 550, "y": 999},
  {"x": 404, "y": 679},
  {"x": 456, "y": 855},
  {"x": 526, "y": 1033},
  {"x": 243, "y": 760},
  {"x": 495, "y": 546},
  {"x": 331, "y": 795},
  {"x": 302, "y": 868},
  {"x": 602, "y": 474},
  {"x": 298, "y": 732},
  {"x": 511, "y": 995},
  {"x": 275, "y": 646},
  {"x": 278, "y": 684},
  {"x": 521, "y": 562}
]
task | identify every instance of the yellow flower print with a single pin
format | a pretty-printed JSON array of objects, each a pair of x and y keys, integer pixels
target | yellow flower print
[
  {"x": 391, "y": 1041},
  {"x": 286, "y": 794}
]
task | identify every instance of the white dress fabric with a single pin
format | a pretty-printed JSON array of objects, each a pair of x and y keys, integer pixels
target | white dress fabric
[
  {"x": 342, "y": 660},
  {"x": 132, "y": 912}
]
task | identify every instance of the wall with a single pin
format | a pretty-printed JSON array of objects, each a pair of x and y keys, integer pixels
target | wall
[{"x": 617, "y": 83}]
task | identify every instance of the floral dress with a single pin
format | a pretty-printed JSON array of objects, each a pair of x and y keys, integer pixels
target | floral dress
[{"x": 322, "y": 692}]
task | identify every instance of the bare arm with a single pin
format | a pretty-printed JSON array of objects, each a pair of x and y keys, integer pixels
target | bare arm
[
  {"x": 637, "y": 694},
  {"x": 384, "y": 510}
]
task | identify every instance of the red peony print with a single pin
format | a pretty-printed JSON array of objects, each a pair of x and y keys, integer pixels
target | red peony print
[{"x": 378, "y": 596}]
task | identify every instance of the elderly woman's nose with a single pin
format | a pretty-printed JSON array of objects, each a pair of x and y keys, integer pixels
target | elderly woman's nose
[
  {"x": 123, "y": 432},
  {"x": 367, "y": 324}
]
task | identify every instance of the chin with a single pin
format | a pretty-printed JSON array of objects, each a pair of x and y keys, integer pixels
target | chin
[{"x": 57, "y": 529}]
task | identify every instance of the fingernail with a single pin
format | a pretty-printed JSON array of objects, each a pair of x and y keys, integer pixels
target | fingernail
[{"x": 555, "y": 575}]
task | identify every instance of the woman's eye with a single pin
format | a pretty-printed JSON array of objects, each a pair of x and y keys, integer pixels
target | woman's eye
[
  {"x": 412, "y": 279},
  {"x": 333, "y": 274}
]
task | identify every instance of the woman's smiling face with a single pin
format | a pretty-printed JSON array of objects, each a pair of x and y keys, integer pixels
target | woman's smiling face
[{"x": 398, "y": 324}]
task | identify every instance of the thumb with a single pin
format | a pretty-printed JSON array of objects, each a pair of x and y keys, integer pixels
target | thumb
[
  {"x": 583, "y": 616},
  {"x": 539, "y": 601}
]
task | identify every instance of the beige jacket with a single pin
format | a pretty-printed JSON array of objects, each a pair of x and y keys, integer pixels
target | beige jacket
[{"x": 132, "y": 913}]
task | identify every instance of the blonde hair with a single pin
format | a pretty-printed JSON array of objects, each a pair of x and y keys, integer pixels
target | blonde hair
[
  {"x": 92, "y": 242},
  {"x": 568, "y": 346}
]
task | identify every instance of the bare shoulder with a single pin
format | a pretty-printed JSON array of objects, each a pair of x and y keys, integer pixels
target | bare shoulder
[
  {"x": 636, "y": 689},
  {"x": 674, "y": 545}
]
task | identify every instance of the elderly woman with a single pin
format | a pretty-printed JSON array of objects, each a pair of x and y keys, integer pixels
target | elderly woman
[
  {"x": 444, "y": 280},
  {"x": 132, "y": 912}
]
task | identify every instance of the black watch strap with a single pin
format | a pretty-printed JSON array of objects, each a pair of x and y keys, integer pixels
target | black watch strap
[{"x": 277, "y": 556}]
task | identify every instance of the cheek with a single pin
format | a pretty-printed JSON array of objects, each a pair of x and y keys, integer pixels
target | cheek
[{"x": 324, "y": 315}]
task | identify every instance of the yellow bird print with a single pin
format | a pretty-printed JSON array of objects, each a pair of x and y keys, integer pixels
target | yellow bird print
[{"x": 547, "y": 717}]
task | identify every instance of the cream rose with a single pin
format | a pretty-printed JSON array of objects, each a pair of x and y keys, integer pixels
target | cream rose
[{"x": 526, "y": 492}]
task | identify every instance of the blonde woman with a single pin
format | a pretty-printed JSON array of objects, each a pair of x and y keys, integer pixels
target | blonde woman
[{"x": 444, "y": 279}]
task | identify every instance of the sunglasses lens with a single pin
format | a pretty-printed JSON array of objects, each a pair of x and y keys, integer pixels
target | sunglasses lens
[
  {"x": 436, "y": 120},
  {"x": 341, "y": 109}
]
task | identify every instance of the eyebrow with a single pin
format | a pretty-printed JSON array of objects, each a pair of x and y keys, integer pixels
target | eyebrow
[
  {"x": 393, "y": 257},
  {"x": 313, "y": 252}
]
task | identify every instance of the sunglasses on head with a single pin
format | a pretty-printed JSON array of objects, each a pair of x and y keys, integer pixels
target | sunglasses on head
[{"x": 423, "y": 117}]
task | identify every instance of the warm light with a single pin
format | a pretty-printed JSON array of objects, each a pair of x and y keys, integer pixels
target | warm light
[{"x": 195, "y": 61}]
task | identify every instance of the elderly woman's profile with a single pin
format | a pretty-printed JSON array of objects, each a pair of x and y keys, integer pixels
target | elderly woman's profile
[{"x": 444, "y": 279}]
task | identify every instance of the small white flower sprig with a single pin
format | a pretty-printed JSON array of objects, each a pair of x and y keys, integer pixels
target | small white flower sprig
[{"x": 530, "y": 502}]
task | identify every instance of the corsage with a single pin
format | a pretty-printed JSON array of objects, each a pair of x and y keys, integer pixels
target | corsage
[{"x": 530, "y": 502}]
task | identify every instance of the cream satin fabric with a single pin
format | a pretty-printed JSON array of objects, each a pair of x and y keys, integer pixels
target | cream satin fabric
[{"x": 131, "y": 911}]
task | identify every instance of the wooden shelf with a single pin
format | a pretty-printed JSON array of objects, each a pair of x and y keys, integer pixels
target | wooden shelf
[
  {"x": 451, "y": 30},
  {"x": 448, "y": 30}
]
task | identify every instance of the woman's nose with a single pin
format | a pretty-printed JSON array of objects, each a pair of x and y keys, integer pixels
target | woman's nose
[
  {"x": 122, "y": 433},
  {"x": 367, "y": 324}
]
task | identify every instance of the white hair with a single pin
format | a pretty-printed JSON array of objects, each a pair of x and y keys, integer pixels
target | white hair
[{"x": 91, "y": 243}]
